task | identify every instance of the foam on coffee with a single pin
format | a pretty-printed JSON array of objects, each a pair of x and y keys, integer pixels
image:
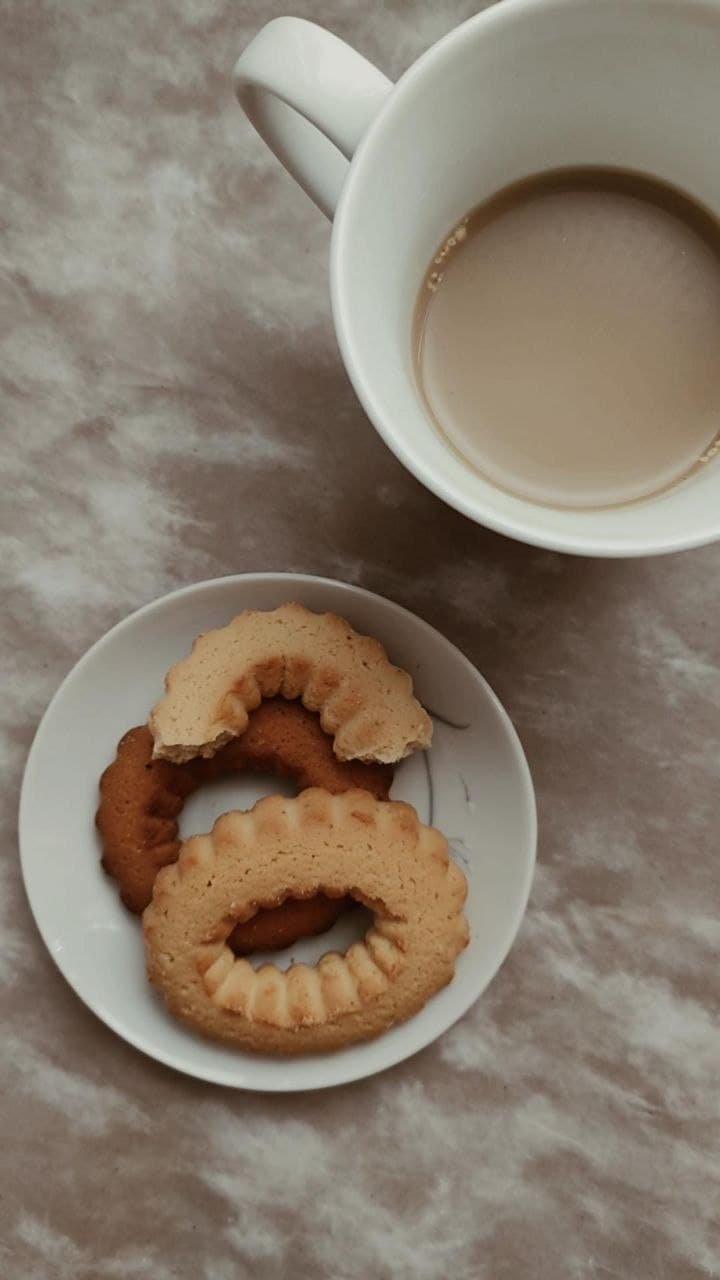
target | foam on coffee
[{"x": 567, "y": 337}]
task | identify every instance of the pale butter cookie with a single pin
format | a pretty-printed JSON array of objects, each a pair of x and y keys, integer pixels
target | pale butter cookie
[
  {"x": 378, "y": 851},
  {"x": 365, "y": 703},
  {"x": 141, "y": 800}
]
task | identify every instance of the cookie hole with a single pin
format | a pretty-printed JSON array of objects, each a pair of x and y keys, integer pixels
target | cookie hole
[
  {"x": 350, "y": 927},
  {"x": 230, "y": 791}
]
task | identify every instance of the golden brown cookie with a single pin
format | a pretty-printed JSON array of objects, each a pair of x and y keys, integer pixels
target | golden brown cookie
[
  {"x": 365, "y": 703},
  {"x": 141, "y": 800},
  {"x": 351, "y": 843}
]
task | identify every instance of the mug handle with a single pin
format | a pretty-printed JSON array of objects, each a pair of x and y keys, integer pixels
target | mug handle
[{"x": 311, "y": 98}]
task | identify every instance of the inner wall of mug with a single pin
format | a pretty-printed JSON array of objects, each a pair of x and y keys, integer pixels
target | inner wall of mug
[{"x": 525, "y": 87}]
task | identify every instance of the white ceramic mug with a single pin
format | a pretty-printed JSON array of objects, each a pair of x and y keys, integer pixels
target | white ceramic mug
[{"x": 525, "y": 86}]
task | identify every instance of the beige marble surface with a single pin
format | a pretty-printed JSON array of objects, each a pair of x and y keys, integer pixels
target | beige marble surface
[{"x": 174, "y": 407}]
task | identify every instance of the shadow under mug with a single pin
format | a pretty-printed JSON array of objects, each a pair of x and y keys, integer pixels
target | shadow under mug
[{"x": 526, "y": 86}]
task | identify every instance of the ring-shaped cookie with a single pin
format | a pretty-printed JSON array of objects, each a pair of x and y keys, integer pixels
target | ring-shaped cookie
[
  {"x": 365, "y": 703},
  {"x": 141, "y": 800},
  {"x": 351, "y": 843}
]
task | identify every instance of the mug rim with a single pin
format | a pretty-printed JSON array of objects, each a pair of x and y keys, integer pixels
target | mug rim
[{"x": 577, "y": 543}]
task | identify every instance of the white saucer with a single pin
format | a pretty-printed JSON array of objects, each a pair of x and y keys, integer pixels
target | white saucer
[{"x": 474, "y": 784}]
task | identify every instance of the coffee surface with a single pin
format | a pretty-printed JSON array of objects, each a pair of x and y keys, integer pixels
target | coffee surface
[{"x": 567, "y": 337}]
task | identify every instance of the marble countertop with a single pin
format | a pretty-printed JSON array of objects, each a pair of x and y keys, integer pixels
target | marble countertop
[{"x": 175, "y": 408}]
